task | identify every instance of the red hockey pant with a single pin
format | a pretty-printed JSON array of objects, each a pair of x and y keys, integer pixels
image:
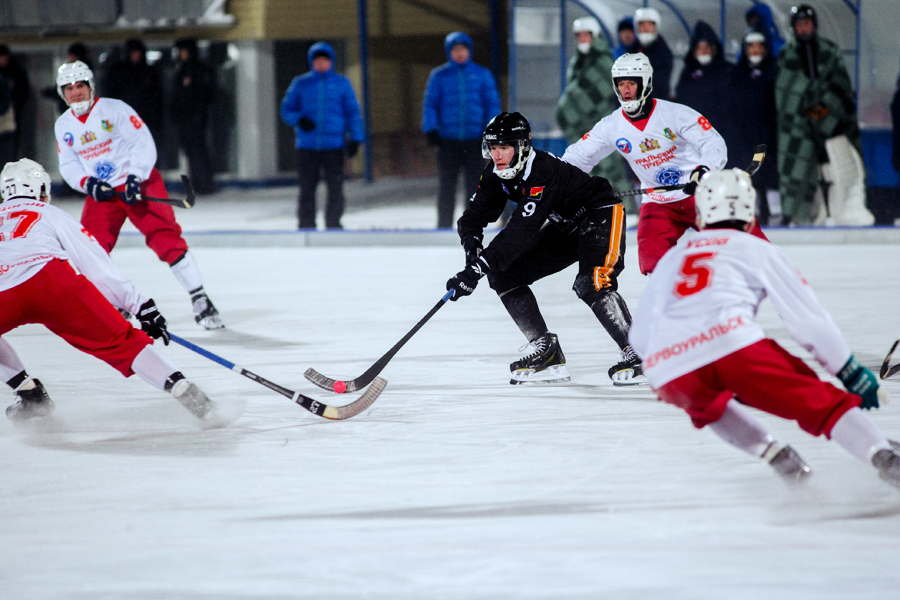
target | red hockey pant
[
  {"x": 71, "y": 307},
  {"x": 155, "y": 220},
  {"x": 765, "y": 376},
  {"x": 662, "y": 225}
]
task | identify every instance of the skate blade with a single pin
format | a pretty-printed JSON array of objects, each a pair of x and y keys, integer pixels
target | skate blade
[
  {"x": 554, "y": 374},
  {"x": 211, "y": 322},
  {"x": 627, "y": 378}
]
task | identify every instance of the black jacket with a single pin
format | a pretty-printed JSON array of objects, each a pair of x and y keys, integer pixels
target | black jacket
[
  {"x": 704, "y": 88},
  {"x": 753, "y": 118},
  {"x": 139, "y": 85},
  {"x": 661, "y": 60},
  {"x": 895, "y": 119},
  {"x": 547, "y": 189},
  {"x": 193, "y": 90}
]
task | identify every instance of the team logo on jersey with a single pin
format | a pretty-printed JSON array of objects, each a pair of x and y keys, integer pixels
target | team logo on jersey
[
  {"x": 649, "y": 144},
  {"x": 505, "y": 191},
  {"x": 536, "y": 193},
  {"x": 668, "y": 133},
  {"x": 104, "y": 170},
  {"x": 106, "y": 125},
  {"x": 668, "y": 176},
  {"x": 69, "y": 139},
  {"x": 624, "y": 145},
  {"x": 586, "y": 136},
  {"x": 88, "y": 137}
]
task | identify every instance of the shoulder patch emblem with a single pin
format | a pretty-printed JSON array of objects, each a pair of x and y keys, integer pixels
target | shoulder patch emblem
[{"x": 536, "y": 193}]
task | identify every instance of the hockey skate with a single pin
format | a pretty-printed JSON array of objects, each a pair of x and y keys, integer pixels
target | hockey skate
[
  {"x": 192, "y": 398},
  {"x": 787, "y": 463},
  {"x": 31, "y": 403},
  {"x": 205, "y": 313},
  {"x": 547, "y": 364},
  {"x": 629, "y": 370},
  {"x": 888, "y": 464}
]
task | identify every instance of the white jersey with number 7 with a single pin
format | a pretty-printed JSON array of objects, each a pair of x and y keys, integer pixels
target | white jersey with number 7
[
  {"x": 673, "y": 141},
  {"x": 702, "y": 299}
]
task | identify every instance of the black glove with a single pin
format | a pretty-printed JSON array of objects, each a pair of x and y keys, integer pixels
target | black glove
[
  {"x": 352, "y": 148},
  {"x": 99, "y": 190},
  {"x": 696, "y": 174},
  {"x": 132, "y": 190},
  {"x": 433, "y": 137},
  {"x": 153, "y": 323},
  {"x": 464, "y": 282},
  {"x": 306, "y": 124},
  {"x": 860, "y": 381},
  {"x": 472, "y": 247}
]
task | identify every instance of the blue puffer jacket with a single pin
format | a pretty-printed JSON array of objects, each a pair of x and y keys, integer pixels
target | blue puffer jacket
[
  {"x": 459, "y": 99},
  {"x": 326, "y": 98}
]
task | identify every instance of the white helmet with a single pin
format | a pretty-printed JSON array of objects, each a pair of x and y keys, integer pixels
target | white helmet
[
  {"x": 24, "y": 179},
  {"x": 586, "y": 24},
  {"x": 725, "y": 196},
  {"x": 633, "y": 66},
  {"x": 646, "y": 14},
  {"x": 71, "y": 73}
]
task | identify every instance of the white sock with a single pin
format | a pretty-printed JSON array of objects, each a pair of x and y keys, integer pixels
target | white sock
[
  {"x": 153, "y": 366},
  {"x": 10, "y": 365},
  {"x": 187, "y": 273},
  {"x": 740, "y": 429},
  {"x": 859, "y": 435}
]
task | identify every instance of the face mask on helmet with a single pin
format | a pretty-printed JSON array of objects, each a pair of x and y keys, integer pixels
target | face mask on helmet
[
  {"x": 71, "y": 73},
  {"x": 24, "y": 179},
  {"x": 509, "y": 129},
  {"x": 635, "y": 67}
]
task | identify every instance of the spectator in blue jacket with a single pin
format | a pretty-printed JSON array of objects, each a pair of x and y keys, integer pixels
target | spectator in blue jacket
[
  {"x": 627, "y": 38},
  {"x": 322, "y": 109},
  {"x": 460, "y": 98}
]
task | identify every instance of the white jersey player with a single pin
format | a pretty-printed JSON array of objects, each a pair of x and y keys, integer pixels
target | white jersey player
[
  {"x": 703, "y": 351},
  {"x": 665, "y": 144},
  {"x": 106, "y": 150},
  {"x": 38, "y": 285}
]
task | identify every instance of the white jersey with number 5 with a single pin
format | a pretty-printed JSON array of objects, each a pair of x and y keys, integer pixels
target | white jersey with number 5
[
  {"x": 33, "y": 233},
  {"x": 109, "y": 143},
  {"x": 672, "y": 142},
  {"x": 701, "y": 303}
]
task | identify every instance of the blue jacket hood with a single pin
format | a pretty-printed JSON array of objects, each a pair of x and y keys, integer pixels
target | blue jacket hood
[
  {"x": 320, "y": 47},
  {"x": 457, "y": 37}
]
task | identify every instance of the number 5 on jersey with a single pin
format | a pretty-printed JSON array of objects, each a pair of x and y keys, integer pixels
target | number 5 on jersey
[{"x": 694, "y": 274}]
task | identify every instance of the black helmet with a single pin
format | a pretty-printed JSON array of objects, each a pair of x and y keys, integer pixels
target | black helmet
[
  {"x": 508, "y": 129},
  {"x": 803, "y": 11}
]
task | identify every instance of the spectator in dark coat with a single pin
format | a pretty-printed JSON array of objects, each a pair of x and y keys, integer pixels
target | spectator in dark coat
[
  {"x": 193, "y": 90},
  {"x": 895, "y": 120},
  {"x": 753, "y": 120},
  {"x": 20, "y": 87},
  {"x": 139, "y": 85},
  {"x": 703, "y": 84},
  {"x": 627, "y": 38},
  {"x": 653, "y": 46},
  {"x": 7, "y": 123}
]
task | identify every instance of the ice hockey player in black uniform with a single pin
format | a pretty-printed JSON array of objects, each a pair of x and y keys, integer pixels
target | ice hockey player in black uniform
[{"x": 563, "y": 216}]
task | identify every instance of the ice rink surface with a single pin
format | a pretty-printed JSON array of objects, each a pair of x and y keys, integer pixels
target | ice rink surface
[{"x": 454, "y": 484}]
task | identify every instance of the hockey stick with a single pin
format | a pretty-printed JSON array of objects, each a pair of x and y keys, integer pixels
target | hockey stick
[
  {"x": 336, "y": 413},
  {"x": 886, "y": 369},
  {"x": 186, "y": 203},
  {"x": 339, "y": 386},
  {"x": 759, "y": 156}
]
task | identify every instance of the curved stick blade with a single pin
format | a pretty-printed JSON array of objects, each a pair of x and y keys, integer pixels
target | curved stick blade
[{"x": 338, "y": 413}]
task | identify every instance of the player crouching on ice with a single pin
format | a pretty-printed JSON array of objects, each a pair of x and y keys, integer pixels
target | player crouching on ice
[
  {"x": 703, "y": 351},
  {"x": 37, "y": 285},
  {"x": 586, "y": 225}
]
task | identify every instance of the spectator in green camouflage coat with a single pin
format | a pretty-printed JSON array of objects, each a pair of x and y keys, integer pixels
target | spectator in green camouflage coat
[
  {"x": 589, "y": 96},
  {"x": 815, "y": 102}
]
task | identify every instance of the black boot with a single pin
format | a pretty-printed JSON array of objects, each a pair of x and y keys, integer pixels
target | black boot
[{"x": 31, "y": 403}]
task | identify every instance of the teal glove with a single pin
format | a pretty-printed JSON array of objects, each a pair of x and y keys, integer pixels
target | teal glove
[{"x": 862, "y": 382}]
